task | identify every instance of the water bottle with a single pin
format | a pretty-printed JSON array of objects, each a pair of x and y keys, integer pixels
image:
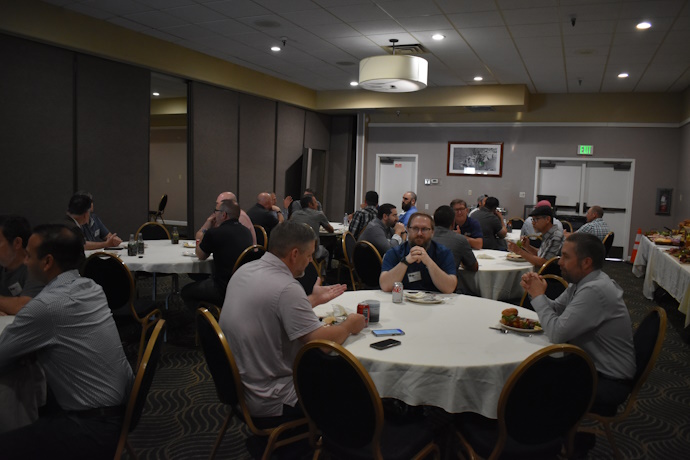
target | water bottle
[
  {"x": 132, "y": 246},
  {"x": 140, "y": 245},
  {"x": 345, "y": 222},
  {"x": 175, "y": 236}
]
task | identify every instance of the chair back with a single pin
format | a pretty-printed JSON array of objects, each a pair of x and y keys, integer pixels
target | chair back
[
  {"x": 551, "y": 267},
  {"x": 254, "y": 252},
  {"x": 349, "y": 243},
  {"x": 555, "y": 286},
  {"x": 354, "y": 418},
  {"x": 567, "y": 226},
  {"x": 153, "y": 231},
  {"x": 112, "y": 275},
  {"x": 648, "y": 339},
  {"x": 261, "y": 236},
  {"x": 142, "y": 385},
  {"x": 367, "y": 262},
  {"x": 535, "y": 241},
  {"x": 608, "y": 242},
  {"x": 311, "y": 274},
  {"x": 162, "y": 204},
  {"x": 516, "y": 222},
  {"x": 547, "y": 395}
]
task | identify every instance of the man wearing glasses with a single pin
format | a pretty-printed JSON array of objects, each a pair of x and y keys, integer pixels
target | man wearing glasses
[
  {"x": 552, "y": 238},
  {"x": 467, "y": 226},
  {"x": 419, "y": 263},
  {"x": 211, "y": 220}
]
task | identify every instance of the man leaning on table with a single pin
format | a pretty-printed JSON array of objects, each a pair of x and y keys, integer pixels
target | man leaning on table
[
  {"x": 71, "y": 330},
  {"x": 466, "y": 225},
  {"x": 79, "y": 214},
  {"x": 16, "y": 286},
  {"x": 419, "y": 263},
  {"x": 211, "y": 220},
  {"x": 384, "y": 232},
  {"x": 267, "y": 317},
  {"x": 591, "y": 314},
  {"x": 528, "y": 228},
  {"x": 552, "y": 239}
]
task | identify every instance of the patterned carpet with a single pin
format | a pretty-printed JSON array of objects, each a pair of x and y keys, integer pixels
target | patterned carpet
[{"x": 182, "y": 416}]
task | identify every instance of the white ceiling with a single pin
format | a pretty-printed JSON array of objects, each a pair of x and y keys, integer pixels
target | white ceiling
[{"x": 529, "y": 42}]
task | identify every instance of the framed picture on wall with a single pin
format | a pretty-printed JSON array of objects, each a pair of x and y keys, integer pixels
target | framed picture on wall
[
  {"x": 663, "y": 201},
  {"x": 475, "y": 159}
]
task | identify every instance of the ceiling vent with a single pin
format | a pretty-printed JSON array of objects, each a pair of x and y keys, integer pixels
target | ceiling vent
[
  {"x": 405, "y": 50},
  {"x": 480, "y": 108}
]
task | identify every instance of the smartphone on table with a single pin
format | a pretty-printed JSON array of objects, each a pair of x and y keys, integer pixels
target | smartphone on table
[
  {"x": 383, "y": 344},
  {"x": 387, "y": 332}
]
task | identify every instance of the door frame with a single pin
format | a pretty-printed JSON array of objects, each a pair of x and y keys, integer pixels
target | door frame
[
  {"x": 631, "y": 187},
  {"x": 396, "y": 155}
]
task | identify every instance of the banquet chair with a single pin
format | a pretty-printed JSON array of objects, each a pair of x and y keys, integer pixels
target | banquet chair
[
  {"x": 156, "y": 231},
  {"x": 351, "y": 425},
  {"x": 608, "y": 242},
  {"x": 516, "y": 222},
  {"x": 648, "y": 340},
  {"x": 555, "y": 286},
  {"x": 140, "y": 390},
  {"x": 535, "y": 240},
  {"x": 348, "y": 243},
  {"x": 230, "y": 390},
  {"x": 118, "y": 285},
  {"x": 155, "y": 215},
  {"x": 551, "y": 267},
  {"x": 311, "y": 274},
  {"x": 261, "y": 236},
  {"x": 567, "y": 226},
  {"x": 153, "y": 231},
  {"x": 254, "y": 252},
  {"x": 539, "y": 409},
  {"x": 367, "y": 262}
]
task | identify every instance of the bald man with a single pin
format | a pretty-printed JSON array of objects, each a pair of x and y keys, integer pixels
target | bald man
[
  {"x": 265, "y": 213},
  {"x": 211, "y": 220}
]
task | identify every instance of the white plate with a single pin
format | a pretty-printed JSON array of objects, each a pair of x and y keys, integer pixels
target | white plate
[
  {"x": 189, "y": 244},
  {"x": 522, "y": 331},
  {"x": 189, "y": 253},
  {"x": 423, "y": 298},
  {"x": 516, "y": 259}
]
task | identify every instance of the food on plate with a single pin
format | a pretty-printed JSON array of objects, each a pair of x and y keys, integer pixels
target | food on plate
[
  {"x": 513, "y": 256},
  {"x": 683, "y": 254},
  {"x": 663, "y": 241},
  {"x": 510, "y": 318}
]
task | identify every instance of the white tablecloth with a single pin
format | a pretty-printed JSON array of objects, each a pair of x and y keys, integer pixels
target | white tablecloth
[
  {"x": 22, "y": 390},
  {"x": 497, "y": 278},
  {"x": 662, "y": 269},
  {"x": 161, "y": 256},
  {"x": 338, "y": 229},
  {"x": 449, "y": 357},
  {"x": 513, "y": 236}
]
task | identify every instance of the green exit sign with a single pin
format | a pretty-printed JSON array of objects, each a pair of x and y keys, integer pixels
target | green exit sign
[{"x": 585, "y": 150}]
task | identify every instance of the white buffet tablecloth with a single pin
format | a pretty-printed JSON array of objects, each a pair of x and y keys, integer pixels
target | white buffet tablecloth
[
  {"x": 22, "y": 390},
  {"x": 498, "y": 278},
  {"x": 662, "y": 269},
  {"x": 161, "y": 256},
  {"x": 448, "y": 358}
]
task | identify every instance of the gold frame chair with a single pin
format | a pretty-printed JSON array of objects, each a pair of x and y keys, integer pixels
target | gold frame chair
[
  {"x": 346, "y": 260},
  {"x": 147, "y": 224},
  {"x": 371, "y": 247},
  {"x": 140, "y": 390},
  {"x": 231, "y": 392},
  {"x": 608, "y": 242},
  {"x": 259, "y": 229},
  {"x": 549, "y": 265},
  {"x": 240, "y": 259},
  {"x": 556, "y": 278},
  {"x": 570, "y": 226},
  {"x": 640, "y": 379}
]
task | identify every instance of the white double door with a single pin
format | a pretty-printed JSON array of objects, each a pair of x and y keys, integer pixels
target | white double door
[{"x": 581, "y": 183}]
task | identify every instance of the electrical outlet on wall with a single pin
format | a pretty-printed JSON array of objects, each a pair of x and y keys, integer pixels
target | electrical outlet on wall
[
  {"x": 522, "y": 194},
  {"x": 469, "y": 192},
  {"x": 426, "y": 205}
]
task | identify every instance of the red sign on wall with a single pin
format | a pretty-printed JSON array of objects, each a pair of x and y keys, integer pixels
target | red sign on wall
[{"x": 398, "y": 165}]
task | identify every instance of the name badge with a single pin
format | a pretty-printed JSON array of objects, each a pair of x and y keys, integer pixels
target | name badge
[
  {"x": 97, "y": 233},
  {"x": 15, "y": 289},
  {"x": 414, "y": 276}
]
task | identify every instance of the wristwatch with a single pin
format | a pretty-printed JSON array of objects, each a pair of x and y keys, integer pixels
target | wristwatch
[{"x": 404, "y": 261}]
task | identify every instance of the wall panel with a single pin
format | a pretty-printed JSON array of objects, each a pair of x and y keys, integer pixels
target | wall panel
[
  {"x": 290, "y": 135},
  {"x": 112, "y": 135},
  {"x": 257, "y": 148}
]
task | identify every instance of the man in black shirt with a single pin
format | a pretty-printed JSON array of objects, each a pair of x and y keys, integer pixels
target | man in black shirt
[
  {"x": 226, "y": 241},
  {"x": 265, "y": 213}
]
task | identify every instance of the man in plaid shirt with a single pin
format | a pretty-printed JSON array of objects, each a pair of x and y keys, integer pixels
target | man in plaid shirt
[
  {"x": 362, "y": 217},
  {"x": 595, "y": 224},
  {"x": 552, "y": 239}
]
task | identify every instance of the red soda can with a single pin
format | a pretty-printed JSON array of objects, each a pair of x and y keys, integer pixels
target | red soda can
[{"x": 363, "y": 309}]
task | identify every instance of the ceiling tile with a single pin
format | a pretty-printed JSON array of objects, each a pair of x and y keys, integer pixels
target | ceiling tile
[
  {"x": 188, "y": 31},
  {"x": 589, "y": 27},
  {"x": 384, "y": 40},
  {"x": 155, "y": 19},
  {"x": 334, "y": 31},
  {"x": 522, "y": 4},
  {"x": 425, "y": 23},
  {"x": 194, "y": 13},
  {"x": 535, "y": 30},
  {"x": 117, "y": 7},
  {"x": 237, "y": 8},
  {"x": 359, "y": 13},
  {"x": 409, "y": 8},
  {"x": 91, "y": 11},
  {"x": 227, "y": 27},
  {"x": 653, "y": 9},
  {"x": 312, "y": 17},
  {"x": 532, "y": 16},
  {"x": 478, "y": 19},
  {"x": 161, "y": 4},
  {"x": 465, "y": 6},
  {"x": 282, "y": 6},
  {"x": 386, "y": 26},
  {"x": 122, "y": 22}
]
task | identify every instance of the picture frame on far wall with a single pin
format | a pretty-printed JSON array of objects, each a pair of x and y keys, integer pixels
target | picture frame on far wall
[
  {"x": 663, "y": 201},
  {"x": 475, "y": 159}
]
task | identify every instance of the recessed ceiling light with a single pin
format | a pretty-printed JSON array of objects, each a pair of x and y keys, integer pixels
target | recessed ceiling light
[
  {"x": 275, "y": 48},
  {"x": 354, "y": 83},
  {"x": 438, "y": 37},
  {"x": 644, "y": 25},
  {"x": 623, "y": 75},
  {"x": 478, "y": 78},
  {"x": 156, "y": 94}
]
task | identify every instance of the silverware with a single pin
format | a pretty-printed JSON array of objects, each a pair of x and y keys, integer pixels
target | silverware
[{"x": 500, "y": 329}]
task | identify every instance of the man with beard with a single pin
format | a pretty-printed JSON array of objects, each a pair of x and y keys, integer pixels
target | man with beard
[
  {"x": 384, "y": 232},
  {"x": 591, "y": 314},
  {"x": 409, "y": 201},
  {"x": 419, "y": 263},
  {"x": 552, "y": 238}
]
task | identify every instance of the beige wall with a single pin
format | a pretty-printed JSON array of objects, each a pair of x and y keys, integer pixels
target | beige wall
[{"x": 168, "y": 171}]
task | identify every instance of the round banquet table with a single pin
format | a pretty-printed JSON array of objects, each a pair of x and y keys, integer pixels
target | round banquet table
[
  {"x": 449, "y": 358},
  {"x": 498, "y": 278},
  {"x": 161, "y": 256}
]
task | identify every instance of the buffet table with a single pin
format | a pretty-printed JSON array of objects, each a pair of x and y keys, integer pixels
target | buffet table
[
  {"x": 664, "y": 270},
  {"x": 498, "y": 278},
  {"x": 449, "y": 358}
]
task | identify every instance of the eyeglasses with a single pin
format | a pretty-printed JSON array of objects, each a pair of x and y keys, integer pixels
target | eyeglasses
[
  {"x": 217, "y": 210},
  {"x": 420, "y": 230},
  {"x": 460, "y": 209}
]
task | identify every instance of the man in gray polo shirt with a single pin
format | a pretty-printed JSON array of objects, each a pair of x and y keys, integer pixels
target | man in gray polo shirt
[{"x": 267, "y": 317}]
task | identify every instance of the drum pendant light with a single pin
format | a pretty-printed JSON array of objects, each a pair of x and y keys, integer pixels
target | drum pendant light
[{"x": 393, "y": 74}]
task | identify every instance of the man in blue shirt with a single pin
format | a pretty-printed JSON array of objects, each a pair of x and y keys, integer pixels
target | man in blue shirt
[
  {"x": 467, "y": 226},
  {"x": 419, "y": 263},
  {"x": 409, "y": 201}
]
